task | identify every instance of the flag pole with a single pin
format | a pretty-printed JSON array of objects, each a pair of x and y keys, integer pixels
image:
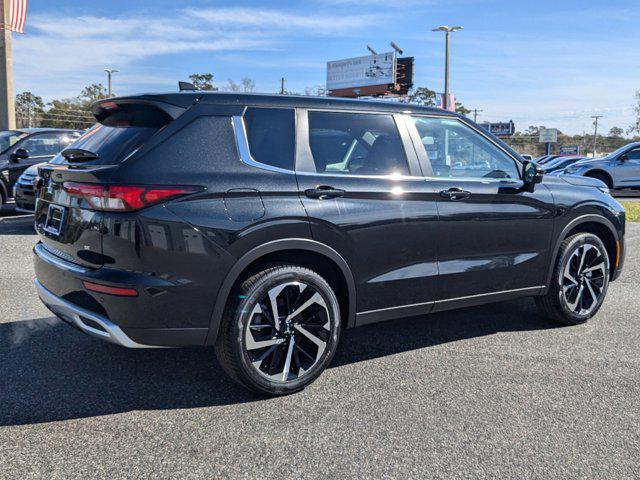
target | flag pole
[{"x": 7, "y": 104}]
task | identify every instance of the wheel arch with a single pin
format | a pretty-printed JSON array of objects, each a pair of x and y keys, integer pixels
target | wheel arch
[
  {"x": 599, "y": 171},
  {"x": 599, "y": 226},
  {"x": 305, "y": 252}
]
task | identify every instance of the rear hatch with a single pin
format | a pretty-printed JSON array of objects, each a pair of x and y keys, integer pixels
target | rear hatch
[{"x": 74, "y": 193}]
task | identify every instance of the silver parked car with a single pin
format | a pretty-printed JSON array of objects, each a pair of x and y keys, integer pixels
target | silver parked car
[{"x": 620, "y": 169}]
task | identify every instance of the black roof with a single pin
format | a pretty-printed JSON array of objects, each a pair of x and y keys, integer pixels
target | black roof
[{"x": 186, "y": 99}]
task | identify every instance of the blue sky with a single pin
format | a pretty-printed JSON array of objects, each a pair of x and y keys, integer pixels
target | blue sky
[{"x": 552, "y": 63}]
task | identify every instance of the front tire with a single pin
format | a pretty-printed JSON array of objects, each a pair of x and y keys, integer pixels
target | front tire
[
  {"x": 580, "y": 281},
  {"x": 280, "y": 331}
]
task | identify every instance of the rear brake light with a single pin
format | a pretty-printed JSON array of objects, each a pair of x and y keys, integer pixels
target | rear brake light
[
  {"x": 124, "y": 198},
  {"x": 123, "y": 292}
]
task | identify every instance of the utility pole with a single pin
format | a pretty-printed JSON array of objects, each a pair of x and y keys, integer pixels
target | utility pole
[
  {"x": 595, "y": 134},
  {"x": 282, "y": 86},
  {"x": 110, "y": 71},
  {"x": 475, "y": 114},
  {"x": 447, "y": 30},
  {"x": 7, "y": 102}
]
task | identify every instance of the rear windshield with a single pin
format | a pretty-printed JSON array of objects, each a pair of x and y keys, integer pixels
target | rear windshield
[{"x": 113, "y": 144}]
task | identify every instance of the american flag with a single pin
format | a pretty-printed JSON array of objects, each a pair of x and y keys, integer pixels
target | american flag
[{"x": 17, "y": 15}]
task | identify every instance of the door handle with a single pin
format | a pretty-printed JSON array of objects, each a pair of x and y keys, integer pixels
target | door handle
[
  {"x": 324, "y": 192},
  {"x": 455, "y": 193}
]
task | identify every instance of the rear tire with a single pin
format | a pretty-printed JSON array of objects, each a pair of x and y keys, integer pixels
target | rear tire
[
  {"x": 280, "y": 331},
  {"x": 579, "y": 283}
]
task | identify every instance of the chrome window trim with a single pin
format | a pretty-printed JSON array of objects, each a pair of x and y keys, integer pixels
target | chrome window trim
[
  {"x": 242, "y": 143},
  {"x": 479, "y": 131},
  {"x": 391, "y": 177}
]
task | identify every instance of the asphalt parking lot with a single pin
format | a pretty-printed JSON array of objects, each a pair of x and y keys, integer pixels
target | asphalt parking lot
[{"x": 492, "y": 391}]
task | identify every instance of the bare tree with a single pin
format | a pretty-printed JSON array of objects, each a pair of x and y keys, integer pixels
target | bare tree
[{"x": 248, "y": 85}]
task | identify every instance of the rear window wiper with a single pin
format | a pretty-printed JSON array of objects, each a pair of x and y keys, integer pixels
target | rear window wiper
[{"x": 79, "y": 155}]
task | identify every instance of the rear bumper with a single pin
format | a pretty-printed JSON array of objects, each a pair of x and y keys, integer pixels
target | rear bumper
[
  {"x": 132, "y": 322},
  {"x": 86, "y": 321}
]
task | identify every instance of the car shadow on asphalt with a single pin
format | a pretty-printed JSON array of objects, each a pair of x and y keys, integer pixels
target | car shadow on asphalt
[{"x": 51, "y": 372}]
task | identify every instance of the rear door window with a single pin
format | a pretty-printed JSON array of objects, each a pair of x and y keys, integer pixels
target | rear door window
[{"x": 356, "y": 144}]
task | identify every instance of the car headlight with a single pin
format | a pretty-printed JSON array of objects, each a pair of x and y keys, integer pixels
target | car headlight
[
  {"x": 571, "y": 170},
  {"x": 5, "y": 174}
]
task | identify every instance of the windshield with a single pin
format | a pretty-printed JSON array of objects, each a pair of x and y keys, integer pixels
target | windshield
[{"x": 9, "y": 138}]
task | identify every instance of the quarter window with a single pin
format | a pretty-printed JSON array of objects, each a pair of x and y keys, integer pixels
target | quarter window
[
  {"x": 455, "y": 150},
  {"x": 356, "y": 144},
  {"x": 271, "y": 136}
]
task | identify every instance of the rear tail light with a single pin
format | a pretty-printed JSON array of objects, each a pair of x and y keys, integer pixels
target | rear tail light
[{"x": 124, "y": 198}]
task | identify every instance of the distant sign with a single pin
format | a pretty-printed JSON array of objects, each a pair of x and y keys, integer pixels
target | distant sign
[
  {"x": 366, "y": 71},
  {"x": 548, "y": 135},
  {"x": 569, "y": 150},
  {"x": 500, "y": 129}
]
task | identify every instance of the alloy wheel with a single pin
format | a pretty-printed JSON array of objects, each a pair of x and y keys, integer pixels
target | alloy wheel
[
  {"x": 583, "y": 279},
  {"x": 287, "y": 331}
]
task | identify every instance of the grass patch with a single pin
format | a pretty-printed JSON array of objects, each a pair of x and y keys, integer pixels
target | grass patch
[{"x": 633, "y": 210}]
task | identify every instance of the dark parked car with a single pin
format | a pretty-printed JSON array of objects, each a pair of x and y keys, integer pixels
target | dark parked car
[
  {"x": 560, "y": 163},
  {"x": 264, "y": 225},
  {"x": 546, "y": 159},
  {"x": 24, "y": 189},
  {"x": 25, "y": 147}
]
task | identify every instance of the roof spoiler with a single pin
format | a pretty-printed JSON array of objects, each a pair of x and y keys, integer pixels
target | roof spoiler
[{"x": 135, "y": 110}]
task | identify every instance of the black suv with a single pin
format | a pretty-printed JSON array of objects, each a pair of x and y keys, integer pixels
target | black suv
[{"x": 264, "y": 225}]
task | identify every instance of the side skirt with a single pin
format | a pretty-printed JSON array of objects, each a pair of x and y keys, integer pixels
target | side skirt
[{"x": 383, "y": 314}]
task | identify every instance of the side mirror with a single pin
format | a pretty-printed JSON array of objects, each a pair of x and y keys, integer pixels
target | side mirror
[
  {"x": 532, "y": 173},
  {"x": 19, "y": 154},
  {"x": 623, "y": 158}
]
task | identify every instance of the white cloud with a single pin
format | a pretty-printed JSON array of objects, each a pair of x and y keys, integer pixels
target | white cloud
[
  {"x": 70, "y": 52},
  {"x": 267, "y": 19}
]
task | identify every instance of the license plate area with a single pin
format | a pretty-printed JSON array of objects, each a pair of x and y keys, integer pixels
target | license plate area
[{"x": 55, "y": 219}]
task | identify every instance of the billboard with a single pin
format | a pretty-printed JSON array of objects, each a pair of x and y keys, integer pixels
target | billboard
[
  {"x": 548, "y": 135},
  {"x": 500, "y": 129},
  {"x": 364, "y": 71}
]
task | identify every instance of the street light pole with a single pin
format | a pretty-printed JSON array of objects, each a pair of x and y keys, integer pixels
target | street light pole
[
  {"x": 110, "y": 71},
  {"x": 447, "y": 30}
]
